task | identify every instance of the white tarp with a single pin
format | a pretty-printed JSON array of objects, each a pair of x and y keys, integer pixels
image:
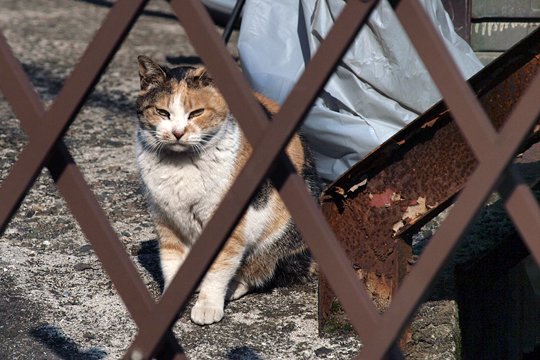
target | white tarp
[{"x": 379, "y": 87}]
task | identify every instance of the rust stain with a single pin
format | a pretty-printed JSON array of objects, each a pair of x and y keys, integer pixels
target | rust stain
[
  {"x": 429, "y": 123},
  {"x": 379, "y": 287},
  {"x": 384, "y": 199}
]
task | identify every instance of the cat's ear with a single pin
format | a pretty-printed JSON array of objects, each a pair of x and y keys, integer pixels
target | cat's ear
[
  {"x": 201, "y": 75},
  {"x": 150, "y": 73}
]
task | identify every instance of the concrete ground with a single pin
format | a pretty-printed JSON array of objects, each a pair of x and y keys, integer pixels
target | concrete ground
[{"x": 56, "y": 302}]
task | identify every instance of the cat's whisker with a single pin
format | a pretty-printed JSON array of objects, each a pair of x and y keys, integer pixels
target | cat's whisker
[
  {"x": 155, "y": 146},
  {"x": 201, "y": 149},
  {"x": 159, "y": 148}
]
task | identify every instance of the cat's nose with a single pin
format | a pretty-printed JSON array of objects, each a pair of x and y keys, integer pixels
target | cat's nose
[{"x": 177, "y": 133}]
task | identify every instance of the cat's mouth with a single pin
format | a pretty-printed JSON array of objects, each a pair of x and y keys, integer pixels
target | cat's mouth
[
  {"x": 185, "y": 144},
  {"x": 184, "y": 147},
  {"x": 177, "y": 146}
]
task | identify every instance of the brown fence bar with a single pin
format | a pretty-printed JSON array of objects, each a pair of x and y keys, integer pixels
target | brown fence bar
[{"x": 378, "y": 333}]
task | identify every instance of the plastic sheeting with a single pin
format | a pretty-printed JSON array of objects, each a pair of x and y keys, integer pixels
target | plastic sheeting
[{"x": 379, "y": 86}]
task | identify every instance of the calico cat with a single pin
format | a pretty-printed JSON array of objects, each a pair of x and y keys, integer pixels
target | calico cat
[{"x": 189, "y": 151}]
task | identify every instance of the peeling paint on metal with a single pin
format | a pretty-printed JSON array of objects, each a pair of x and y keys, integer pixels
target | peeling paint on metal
[
  {"x": 415, "y": 210},
  {"x": 357, "y": 186}
]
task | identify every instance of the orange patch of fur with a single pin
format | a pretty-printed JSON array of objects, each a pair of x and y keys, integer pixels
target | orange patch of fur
[
  {"x": 233, "y": 247},
  {"x": 169, "y": 240},
  {"x": 268, "y": 103},
  {"x": 294, "y": 149}
]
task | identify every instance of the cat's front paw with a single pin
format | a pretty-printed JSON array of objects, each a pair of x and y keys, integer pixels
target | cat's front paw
[{"x": 204, "y": 313}]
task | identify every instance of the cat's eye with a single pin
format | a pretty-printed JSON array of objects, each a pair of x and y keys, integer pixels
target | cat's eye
[
  {"x": 163, "y": 113},
  {"x": 195, "y": 113}
]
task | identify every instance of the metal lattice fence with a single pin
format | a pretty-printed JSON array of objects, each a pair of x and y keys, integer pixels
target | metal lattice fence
[{"x": 493, "y": 150}]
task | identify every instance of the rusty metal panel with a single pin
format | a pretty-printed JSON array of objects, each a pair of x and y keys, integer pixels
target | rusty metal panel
[{"x": 378, "y": 203}]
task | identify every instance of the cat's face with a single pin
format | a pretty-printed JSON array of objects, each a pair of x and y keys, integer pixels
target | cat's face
[{"x": 179, "y": 109}]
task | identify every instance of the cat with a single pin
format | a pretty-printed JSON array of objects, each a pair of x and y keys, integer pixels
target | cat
[{"x": 189, "y": 148}]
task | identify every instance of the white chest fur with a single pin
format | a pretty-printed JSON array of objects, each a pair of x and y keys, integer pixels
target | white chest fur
[{"x": 185, "y": 189}]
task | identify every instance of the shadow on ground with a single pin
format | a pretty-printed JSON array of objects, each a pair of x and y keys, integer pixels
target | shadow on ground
[
  {"x": 148, "y": 257},
  {"x": 51, "y": 83},
  {"x": 242, "y": 353},
  {"x": 64, "y": 347},
  {"x": 110, "y": 4}
]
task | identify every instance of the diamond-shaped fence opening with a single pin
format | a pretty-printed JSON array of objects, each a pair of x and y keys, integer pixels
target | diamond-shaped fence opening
[
  {"x": 378, "y": 332},
  {"x": 48, "y": 73}
]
